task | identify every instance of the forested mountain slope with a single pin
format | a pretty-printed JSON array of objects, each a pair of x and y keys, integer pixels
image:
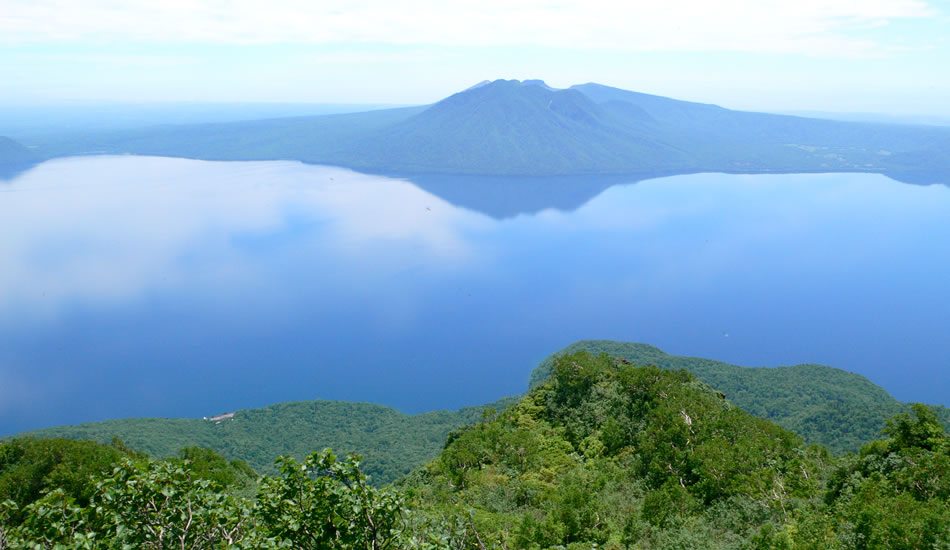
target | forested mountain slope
[
  {"x": 824, "y": 405},
  {"x": 604, "y": 454},
  {"x": 392, "y": 443}
]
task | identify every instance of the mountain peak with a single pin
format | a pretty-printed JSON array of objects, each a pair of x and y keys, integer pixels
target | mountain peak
[
  {"x": 537, "y": 82},
  {"x": 509, "y": 126},
  {"x": 501, "y": 82}
]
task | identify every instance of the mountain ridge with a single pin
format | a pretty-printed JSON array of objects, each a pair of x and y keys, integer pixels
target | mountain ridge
[{"x": 509, "y": 127}]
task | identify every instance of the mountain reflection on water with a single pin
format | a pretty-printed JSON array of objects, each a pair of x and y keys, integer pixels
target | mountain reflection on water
[
  {"x": 142, "y": 286},
  {"x": 508, "y": 197}
]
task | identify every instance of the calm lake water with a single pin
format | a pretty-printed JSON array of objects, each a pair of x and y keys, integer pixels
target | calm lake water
[{"x": 138, "y": 286}]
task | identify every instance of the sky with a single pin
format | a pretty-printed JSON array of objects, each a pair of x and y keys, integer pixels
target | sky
[{"x": 875, "y": 56}]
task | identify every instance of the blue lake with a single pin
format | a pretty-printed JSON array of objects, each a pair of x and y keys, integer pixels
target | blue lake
[{"x": 140, "y": 286}]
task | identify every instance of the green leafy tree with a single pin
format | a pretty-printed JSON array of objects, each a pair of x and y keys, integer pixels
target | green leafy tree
[
  {"x": 143, "y": 504},
  {"x": 31, "y": 467},
  {"x": 919, "y": 428},
  {"x": 327, "y": 504}
]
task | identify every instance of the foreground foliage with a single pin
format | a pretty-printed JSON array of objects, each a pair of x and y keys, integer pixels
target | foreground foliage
[
  {"x": 601, "y": 455},
  {"x": 30, "y": 468},
  {"x": 323, "y": 503}
]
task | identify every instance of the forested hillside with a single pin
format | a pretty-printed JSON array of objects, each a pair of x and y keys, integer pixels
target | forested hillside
[
  {"x": 392, "y": 443},
  {"x": 835, "y": 408},
  {"x": 603, "y": 454}
]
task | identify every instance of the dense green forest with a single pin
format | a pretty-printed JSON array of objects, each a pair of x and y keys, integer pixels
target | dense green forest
[
  {"x": 31, "y": 468},
  {"x": 602, "y": 454},
  {"x": 391, "y": 443},
  {"x": 838, "y": 409},
  {"x": 510, "y": 128}
]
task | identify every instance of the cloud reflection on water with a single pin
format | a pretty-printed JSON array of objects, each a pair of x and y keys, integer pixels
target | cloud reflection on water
[{"x": 106, "y": 229}]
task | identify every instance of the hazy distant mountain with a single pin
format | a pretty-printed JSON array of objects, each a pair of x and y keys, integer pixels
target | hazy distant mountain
[
  {"x": 875, "y": 117},
  {"x": 12, "y": 152},
  {"x": 14, "y": 158},
  {"x": 26, "y": 123},
  {"x": 722, "y": 139},
  {"x": 508, "y": 127}
]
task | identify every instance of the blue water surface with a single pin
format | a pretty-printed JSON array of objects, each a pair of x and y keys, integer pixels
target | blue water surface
[{"x": 143, "y": 286}]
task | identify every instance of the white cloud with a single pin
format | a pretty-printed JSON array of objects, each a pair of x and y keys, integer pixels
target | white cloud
[{"x": 802, "y": 26}]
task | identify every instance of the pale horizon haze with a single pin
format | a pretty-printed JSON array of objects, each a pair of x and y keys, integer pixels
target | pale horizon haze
[{"x": 873, "y": 56}]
